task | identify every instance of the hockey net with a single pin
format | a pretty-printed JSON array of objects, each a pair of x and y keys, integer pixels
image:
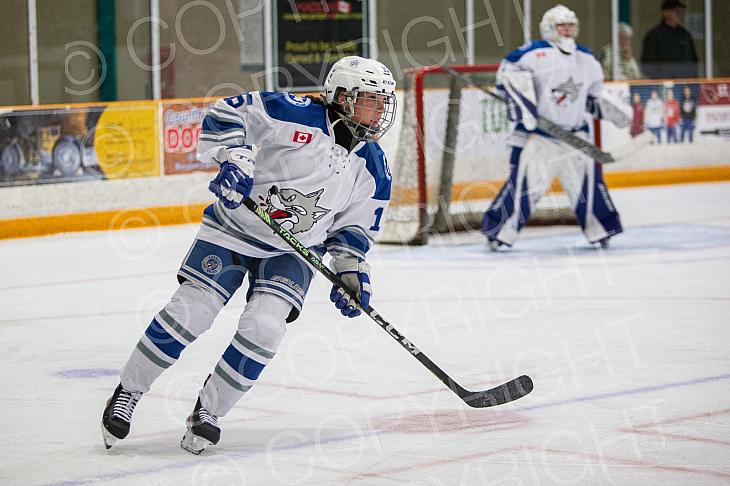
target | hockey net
[{"x": 451, "y": 157}]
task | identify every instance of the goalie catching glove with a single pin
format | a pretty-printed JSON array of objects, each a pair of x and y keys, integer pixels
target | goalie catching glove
[
  {"x": 608, "y": 106},
  {"x": 234, "y": 182},
  {"x": 355, "y": 274}
]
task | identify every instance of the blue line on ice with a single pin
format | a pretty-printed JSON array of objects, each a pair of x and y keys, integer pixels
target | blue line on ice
[
  {"x": 630, "y": 391},
  {"x": 87, "y": 373}
]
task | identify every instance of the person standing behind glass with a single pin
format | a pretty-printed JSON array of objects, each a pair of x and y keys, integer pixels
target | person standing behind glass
[
  {"x": 668, "y": 50},
  {"x": 688, "y": 112},
  {"x": 671, "y": 116},
  {"x": 654, "y": 116},
  {"x": 637, "y": 121},
  {"x": 628, "y": 68}
]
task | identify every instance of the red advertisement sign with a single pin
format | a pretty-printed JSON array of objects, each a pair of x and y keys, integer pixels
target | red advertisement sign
[
  {"x": 181, "y": 125},
  {"x": 715, "y": 94}
]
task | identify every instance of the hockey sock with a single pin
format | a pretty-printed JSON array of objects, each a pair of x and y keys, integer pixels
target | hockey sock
[
  {"x": 189, "y": 313},
  {"x": 260, "y": 331}
]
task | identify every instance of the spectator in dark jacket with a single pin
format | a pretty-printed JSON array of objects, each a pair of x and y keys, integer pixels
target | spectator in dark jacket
[{"x": 668, "y": 50}]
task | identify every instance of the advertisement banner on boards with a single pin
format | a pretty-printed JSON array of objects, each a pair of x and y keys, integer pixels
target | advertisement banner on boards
[
  {"x": 689, "y": 123},
  {"x": 78, "y": 143},
  {"x": 181, "y": 125}
]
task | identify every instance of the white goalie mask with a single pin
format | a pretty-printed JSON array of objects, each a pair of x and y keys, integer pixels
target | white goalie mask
[
  {"x": 559, "y": 15},
  {"x": 362, "y": 94}
]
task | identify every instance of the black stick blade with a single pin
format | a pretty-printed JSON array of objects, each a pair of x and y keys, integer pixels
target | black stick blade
[{"x": 499, "y": 395}]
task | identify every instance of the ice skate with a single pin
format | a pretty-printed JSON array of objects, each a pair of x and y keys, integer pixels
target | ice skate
[
  {"x": 603, "y": 243},
  {"x": 117, "y": 415},
  {"x": 202, "y": 430},
  {"x": 494, "y": 245}
]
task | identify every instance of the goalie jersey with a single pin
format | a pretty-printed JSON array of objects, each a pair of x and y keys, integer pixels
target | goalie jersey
[
  {"x": 562, "y": 82},
  {"x": 313, "y": 187}
]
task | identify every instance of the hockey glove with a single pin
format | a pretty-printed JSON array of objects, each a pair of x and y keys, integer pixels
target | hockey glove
[
  {"x": 607, "y": 106},
  {"x": 519, "y": 90},
  {"x": 234, "y": 182},
  {"x": 355, "y": 274}
]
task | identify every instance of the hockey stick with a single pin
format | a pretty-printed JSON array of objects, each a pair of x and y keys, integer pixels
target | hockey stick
[
  {"x": 629, "y": 148},
  {"x": 545, "y": 125},
  {"x": 507, "y": 392}
]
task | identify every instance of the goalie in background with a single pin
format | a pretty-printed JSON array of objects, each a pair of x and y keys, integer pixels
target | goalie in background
[{"x": 561, "y": 81}]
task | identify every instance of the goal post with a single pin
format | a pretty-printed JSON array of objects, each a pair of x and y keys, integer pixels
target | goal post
[{"x": 451, "y": 156}]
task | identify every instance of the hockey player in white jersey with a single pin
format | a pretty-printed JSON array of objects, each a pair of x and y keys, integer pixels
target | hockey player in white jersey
[
  {"x": 316, "y": 167},
  {"x": 559, "y": 80}
]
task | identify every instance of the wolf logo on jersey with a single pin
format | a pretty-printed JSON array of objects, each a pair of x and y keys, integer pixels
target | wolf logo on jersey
[
  {"x": 569, "y": 89},
  {"x": 295, "y": 211}
]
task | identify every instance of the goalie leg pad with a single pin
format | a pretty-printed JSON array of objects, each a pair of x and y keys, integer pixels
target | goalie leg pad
[
  {"x": 531, "y": 171},
  {"x": 510, "y": 209},
  {"x": 582, "y": 180}
]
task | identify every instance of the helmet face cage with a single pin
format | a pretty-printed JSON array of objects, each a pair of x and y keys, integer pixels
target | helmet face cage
[
  {"x": 362, "y": 119},
  {"x": 553, "y": 17},
  {"x": 362, "y": 92}
]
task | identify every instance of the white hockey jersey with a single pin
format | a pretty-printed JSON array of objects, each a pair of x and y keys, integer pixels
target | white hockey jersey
[
  {"x": 324, "y": 195},
  {"x": 562, "y": 82}
]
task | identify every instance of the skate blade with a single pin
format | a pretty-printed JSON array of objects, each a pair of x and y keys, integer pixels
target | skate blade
[
  {"x": 193, "y": 443},
  {"x": 493, "y": 245},
  {"x": 108, "y": 438}
]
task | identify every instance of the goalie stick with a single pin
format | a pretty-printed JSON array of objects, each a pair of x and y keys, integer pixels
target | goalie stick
[
  {"x": 504, "y": 393},
  {"x": 545, "y": 125}
]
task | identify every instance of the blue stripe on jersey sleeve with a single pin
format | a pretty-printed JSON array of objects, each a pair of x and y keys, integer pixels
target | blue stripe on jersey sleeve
[
  {"x": 215, "y": 125},
  {"x": 348, "y": 239},
  {"x": 583, "y": 48},
  {"x": 515, "y": 55},
  {"x": 378, "y": 167},
  {"x": 290, "y": 108}
]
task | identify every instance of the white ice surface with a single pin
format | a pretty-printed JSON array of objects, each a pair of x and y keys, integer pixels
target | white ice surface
[{"x": 629, "y": 350}]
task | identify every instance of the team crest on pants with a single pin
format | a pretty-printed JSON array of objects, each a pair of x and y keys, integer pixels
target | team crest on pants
[
  {"x": 212, "y": 264},
  {"x": 295, "y": 211}
]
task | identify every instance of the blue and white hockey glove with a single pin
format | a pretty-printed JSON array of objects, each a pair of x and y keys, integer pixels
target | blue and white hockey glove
[
  {"x": 355, "y": 274},
  {"x": 234, "y": 182}
]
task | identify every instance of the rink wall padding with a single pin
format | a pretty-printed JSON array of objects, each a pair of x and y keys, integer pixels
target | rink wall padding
[
  {"x": 81, "y": 167},
  {"x": 192, "y": 213},
  {"x": 101, "y": 221}
]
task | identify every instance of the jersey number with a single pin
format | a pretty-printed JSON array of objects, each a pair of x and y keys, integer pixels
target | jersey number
[{"x": 378, "y": 217}]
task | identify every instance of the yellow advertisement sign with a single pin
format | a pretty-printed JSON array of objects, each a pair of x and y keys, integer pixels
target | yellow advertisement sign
[
  {"x": 82, "y": 142},
  {"x": 126, "y": 142}
]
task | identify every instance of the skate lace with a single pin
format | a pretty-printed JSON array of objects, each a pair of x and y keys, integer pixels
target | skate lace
[
  {"x": 205, "y": 417},
  {"x": 125, "y": 403}
]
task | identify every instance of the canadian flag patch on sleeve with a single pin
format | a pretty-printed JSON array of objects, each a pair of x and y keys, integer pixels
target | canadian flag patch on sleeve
[{"x": 302, "y": 137}]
